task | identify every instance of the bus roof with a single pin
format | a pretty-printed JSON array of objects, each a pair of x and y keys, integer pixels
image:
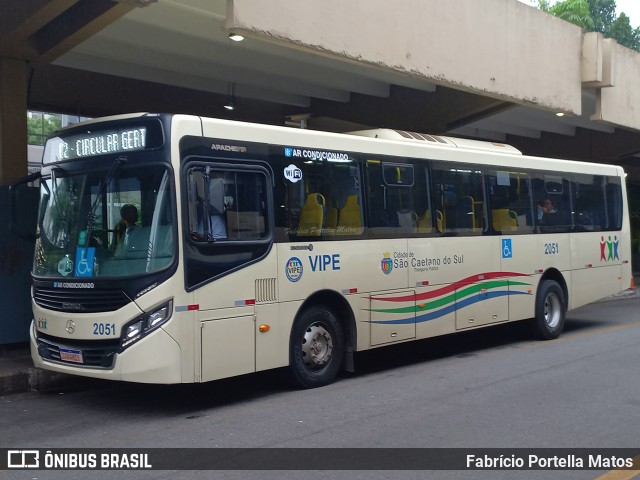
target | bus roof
[{"x": 403, "y": 135}]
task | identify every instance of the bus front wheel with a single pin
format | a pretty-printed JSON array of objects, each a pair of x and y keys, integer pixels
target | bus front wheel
[
  {"x": 551, "y": 307},
  {"x": 316, "y": 347}
]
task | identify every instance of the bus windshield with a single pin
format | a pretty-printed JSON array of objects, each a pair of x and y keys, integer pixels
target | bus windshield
[{"x": 114, "y": 222}]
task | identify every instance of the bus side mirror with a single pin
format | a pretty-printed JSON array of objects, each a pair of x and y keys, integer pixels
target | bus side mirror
[{"x": 23, "y": 207}]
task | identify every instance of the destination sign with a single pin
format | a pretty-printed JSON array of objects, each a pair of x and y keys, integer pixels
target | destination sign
[
  {"x": 102, "y": 143},
  {"x": 91, "y": 143}
]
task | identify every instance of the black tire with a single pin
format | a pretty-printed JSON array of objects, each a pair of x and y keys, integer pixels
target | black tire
[
  {"x": 316, "y": 348},
  {"x": 551, "y": 308}
]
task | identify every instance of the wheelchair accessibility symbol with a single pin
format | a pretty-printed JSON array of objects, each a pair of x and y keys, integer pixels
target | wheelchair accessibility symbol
[
  {"x": 84, "y": 261},
  {"x": 507, "y": 251}
]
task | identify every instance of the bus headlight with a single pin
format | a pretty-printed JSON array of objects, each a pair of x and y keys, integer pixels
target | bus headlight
[
  {"x": 134, "y": 330},
  {"x": 158, "y": 317},
  {"x": 140, "y": 327}
]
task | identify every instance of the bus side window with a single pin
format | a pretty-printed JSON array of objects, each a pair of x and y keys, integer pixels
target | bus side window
[
  {"x": 510, "y": 201},
  {"x": 458, "y": 198},
  {"x": 553, "y": 203},
  {"x": 318, "y": 198},
  {"x": 613, "y": 195},
  {"x": 392, "y": 195},
  {"x": 226, "y": 205},
  {"x": 589, "y": 202}
]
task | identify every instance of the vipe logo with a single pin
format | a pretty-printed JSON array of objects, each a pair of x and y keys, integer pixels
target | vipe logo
[
  {"x": 23, "y": 459},
  {"x": 294, "y": 269}
]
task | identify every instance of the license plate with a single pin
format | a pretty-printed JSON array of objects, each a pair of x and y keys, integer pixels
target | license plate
[{"x": 74, "y": 356}]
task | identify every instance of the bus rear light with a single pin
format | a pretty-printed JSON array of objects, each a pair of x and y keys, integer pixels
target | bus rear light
[
  {"x": 424, "y": 283},
  {"x": 347, "y": 291}
]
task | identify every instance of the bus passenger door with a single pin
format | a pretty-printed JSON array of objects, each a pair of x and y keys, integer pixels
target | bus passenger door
[{"x": 393, "y": 316}]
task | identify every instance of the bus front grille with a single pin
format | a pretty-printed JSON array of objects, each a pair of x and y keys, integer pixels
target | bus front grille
[
  {"x": 80, "y": 301},
  {"x": 95, "y": 354}
]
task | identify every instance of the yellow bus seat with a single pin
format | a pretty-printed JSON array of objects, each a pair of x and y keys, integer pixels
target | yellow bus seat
[
  {"x": 440, "y": 221},
  {"x": 424, "y": 223},
  {"x": 350, "y": 220},
  {"x": 311, "y": 216},
  {"x": 504, "y": 220},
  {"x": 331, "y": 222}
]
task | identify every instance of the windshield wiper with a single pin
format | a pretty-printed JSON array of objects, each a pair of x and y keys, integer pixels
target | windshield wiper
[{"x": 92, "y": 213}]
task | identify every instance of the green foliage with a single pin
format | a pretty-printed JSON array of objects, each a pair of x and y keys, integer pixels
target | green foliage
[
  {"x": 623, "y": 33},
  {"x": 596, "y": 16},
  {"x": 574, "y": 11},
  {"x": 40, "y": 127},
  {"x": 603, "y": 13},
  {"x": 544, "y": 6}
]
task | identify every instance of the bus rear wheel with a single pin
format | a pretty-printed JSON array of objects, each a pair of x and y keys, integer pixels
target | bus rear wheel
[
  {"x": 551, "y": 307},
  {"x": 316, "y": 347}
]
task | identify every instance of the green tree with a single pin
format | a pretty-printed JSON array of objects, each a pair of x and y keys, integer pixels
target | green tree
[
  {"x": 574, "y": 11},
  {"x": 41, "y": 126},
  {"x": 596, "y": 16},
  {"x": 624, "y": 34},
  {"x": 603, "y": 13}
]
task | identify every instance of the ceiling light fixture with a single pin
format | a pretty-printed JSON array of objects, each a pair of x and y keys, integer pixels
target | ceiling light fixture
[{"x": 236, "y": 37}]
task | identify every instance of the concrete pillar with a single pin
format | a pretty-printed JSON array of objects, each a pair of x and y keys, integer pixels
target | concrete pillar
[{"x": 13, "y": 120}]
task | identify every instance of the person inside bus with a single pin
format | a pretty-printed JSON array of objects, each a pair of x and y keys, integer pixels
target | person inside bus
[
  {"x": 548, "y": 214},
  {"x": 129, "y": 217},
  {"x": 216, "y": 222},
  {"x": 217, "y": 226}
]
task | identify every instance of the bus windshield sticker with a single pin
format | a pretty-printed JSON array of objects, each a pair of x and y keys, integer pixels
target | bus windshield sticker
[
  {"x": 503, "y": 178},
  {"x": 85, "y": 261},
  {"x": 293, "y": 173},
  {"x": 65, "y": 266}
]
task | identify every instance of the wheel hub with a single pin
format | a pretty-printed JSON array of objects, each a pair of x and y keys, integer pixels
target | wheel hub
[
  {"x": 552, "y": 310},
  {"x": 317, "y": 346}
]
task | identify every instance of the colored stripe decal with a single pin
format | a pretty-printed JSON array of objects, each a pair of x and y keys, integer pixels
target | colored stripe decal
[
  {"x": 449, "y": 309},
  {"x": 450, "y": 298},
  {"x": 452, "y": 287}
]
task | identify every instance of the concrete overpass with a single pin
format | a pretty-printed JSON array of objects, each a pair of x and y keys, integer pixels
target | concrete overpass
[{"x": 496, "y": 69}]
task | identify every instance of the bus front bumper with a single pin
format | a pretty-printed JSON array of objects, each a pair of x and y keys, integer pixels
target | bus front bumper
[{"x": 154, "y": 359}]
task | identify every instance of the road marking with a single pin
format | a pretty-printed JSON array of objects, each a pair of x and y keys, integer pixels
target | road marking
[{"x": 621, "y": 474}]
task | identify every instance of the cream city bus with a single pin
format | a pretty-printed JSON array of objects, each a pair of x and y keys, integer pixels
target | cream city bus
[{"x": 177, "y": 249}]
